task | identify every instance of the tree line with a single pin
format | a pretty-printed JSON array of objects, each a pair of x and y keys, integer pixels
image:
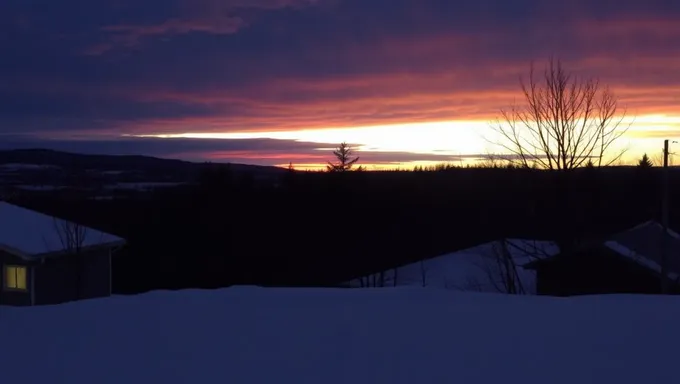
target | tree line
[{"x": 318, "y": 229}]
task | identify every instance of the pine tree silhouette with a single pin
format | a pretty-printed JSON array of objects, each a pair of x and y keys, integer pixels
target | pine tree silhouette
[
  {"x": 645, "y": 162},
  {"x": 345, "y": 159}
]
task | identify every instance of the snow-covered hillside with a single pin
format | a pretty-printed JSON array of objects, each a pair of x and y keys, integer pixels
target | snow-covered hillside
[{"x": 318, "y": 336}]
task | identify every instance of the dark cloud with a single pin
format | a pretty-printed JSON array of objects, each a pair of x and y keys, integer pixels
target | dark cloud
[
  {"x": 179, "y": 65},
  {"x": 154, "y": 146},
  {"x": 253, "y": 151},
  {"x": 16, "y": 105},
  {"x": 195, "y": 16}
]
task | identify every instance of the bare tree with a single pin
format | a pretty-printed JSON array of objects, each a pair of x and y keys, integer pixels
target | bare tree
[
  {"x": 423, "y": 273},
  {"x": 376, "y": 280},
  {"x": 657, "y": 159},
  {"x": 565, "y": 121},
  {"x": 72, "y": 240},
  {"x": 492, "y": 160},
  {"x": 344, "y": 155},
  {"x": 364, "y": 281},
  {"x": 501, "y": 268},
  {"x": 380, "y": 279}
]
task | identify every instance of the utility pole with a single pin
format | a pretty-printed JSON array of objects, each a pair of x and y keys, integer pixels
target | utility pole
[{"x": 664, "y": 220}]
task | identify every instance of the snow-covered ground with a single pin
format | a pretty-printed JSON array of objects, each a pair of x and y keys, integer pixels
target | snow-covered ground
[
  {"x": 323, "y": 336},
  {"x": 496, "y": 266}
]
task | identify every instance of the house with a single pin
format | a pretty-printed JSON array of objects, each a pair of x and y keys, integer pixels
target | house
[
  {"x": 46, "y": 260},
  {"x": 489, "y": 267},
  {"x": 626, "y": 262}
]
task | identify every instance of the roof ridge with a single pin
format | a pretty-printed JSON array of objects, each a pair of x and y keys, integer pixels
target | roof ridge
[
  {"x": 31, "y": 232},
  {"x": 643, "y": 224},
  {"x": 651, "y": 222}
]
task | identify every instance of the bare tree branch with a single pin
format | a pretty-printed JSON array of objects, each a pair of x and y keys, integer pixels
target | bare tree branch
[
  {"x": 501, "y": 265},
  {"x": 564, "y": 122},
  {"x": 72, "y": 238},
  {"x": 423, "y": 273}
]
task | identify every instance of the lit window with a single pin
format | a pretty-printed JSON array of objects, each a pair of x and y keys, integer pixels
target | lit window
[{"x": 15, "y": 277}]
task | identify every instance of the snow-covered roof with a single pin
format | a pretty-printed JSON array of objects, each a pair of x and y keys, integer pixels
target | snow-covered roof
[
  {"x": 489, "y": 267},
  {"x": 30, "y": 234},
  {"x": 642, "y": 244}
]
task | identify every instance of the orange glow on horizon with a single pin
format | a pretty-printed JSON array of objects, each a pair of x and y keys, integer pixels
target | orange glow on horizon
[
  {"x": 452, "y": 138},
  {"x": 387, "y": 166},
  {"x": 448, "y": 139}
]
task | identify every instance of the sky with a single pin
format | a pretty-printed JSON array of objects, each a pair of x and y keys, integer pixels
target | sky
[{"x": 284, "y": 81}]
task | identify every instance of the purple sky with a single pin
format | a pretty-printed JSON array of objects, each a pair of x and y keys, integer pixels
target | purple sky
[{"x": 80, "y": 74}]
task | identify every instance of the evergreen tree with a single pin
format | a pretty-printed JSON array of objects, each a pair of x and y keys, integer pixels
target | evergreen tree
[
  {"x": 345, "y": 159},
  {"x": 289, "y": 176},
  {"x": 645, "y": 162}
]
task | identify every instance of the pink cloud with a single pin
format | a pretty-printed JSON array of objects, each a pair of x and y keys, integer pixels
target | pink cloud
[{"x": 423, "y": 77}]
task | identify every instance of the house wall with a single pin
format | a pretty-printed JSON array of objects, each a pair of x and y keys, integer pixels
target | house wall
[
  {"x": 62, "y": 279},
  {"x": 598, "y": 271},
  {"x": 8, "y": 297}
]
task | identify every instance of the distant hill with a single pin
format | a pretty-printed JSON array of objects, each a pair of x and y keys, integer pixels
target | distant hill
[{"x": 117, "y": 162}]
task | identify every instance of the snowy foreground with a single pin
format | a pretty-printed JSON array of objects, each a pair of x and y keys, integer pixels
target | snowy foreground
[{"x": 318, "y": 336}]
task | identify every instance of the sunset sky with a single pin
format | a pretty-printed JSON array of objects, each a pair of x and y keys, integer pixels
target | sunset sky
[{"x": 279, "y": 81}]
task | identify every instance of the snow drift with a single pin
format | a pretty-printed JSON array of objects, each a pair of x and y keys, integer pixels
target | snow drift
[{"x": 321, "y": 336}]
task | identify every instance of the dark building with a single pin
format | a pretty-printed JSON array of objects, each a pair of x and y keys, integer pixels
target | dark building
[
  {"x": 627, "y": 262},
  {"x": 46, "y": 260}
]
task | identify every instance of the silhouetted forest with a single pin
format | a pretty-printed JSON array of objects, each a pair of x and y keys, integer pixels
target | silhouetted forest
[{"x": 323, "y": 228}]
